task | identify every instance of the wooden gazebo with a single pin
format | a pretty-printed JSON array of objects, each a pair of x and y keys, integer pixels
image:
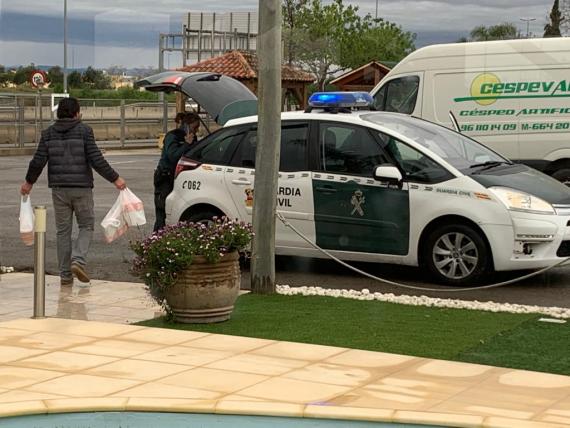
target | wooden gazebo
[
  {"x": 364, "y": 78},
  {"x": 243, "y": 66}
]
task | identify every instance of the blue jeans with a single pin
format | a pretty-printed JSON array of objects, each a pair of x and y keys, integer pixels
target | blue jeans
[{"x": 66, "y": 202}]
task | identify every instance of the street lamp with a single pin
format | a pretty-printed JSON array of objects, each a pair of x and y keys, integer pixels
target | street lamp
[
  {"x": 376, "y": 9},
  {"x": 65, "y": 46},
  {"x": 527, "y": 20}
]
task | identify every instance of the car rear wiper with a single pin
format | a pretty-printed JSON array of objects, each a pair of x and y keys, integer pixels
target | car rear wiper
[{"x": 489, "y": 164}]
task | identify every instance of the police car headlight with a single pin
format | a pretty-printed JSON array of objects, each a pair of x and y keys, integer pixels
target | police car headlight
[{"x": 519, "y": 201}]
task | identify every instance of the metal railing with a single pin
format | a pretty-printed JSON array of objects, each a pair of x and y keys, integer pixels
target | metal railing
[{"x": 23, "y": 116}]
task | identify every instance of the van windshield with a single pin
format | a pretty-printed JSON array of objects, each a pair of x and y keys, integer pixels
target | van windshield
[{"x": 458, "y": 150}]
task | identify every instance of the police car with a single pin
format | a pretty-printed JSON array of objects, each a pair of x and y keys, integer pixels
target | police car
[{"x": 382, "y": 187}]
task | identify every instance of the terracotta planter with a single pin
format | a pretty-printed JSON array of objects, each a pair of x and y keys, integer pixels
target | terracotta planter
[{"x": 206, "y": 292}]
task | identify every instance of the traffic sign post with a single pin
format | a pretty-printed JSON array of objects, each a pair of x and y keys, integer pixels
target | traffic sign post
[{"x": 38, "y": 81}]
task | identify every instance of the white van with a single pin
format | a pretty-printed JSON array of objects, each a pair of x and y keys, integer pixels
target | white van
[{"x": 512, "y": 95}]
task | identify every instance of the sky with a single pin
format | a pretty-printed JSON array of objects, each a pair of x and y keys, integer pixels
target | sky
[{"x": 100, "y": 34}]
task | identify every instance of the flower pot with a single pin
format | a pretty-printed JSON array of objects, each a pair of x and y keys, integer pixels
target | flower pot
[{"x": 205, "y": 292}]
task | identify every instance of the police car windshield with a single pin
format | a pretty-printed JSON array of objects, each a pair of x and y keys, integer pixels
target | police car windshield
[{"x": 458, "y": 150}]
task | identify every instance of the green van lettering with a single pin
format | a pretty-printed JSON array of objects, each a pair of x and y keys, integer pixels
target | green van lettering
[
  {"x": 534, "y": 87},
  {"x": 546, "y": 86},
  {"x": 498, "y": 88},
  {"x": 486, "y": 88},
  {"x": 510, "y": 87},
  {"x": 522, "y": 86},
  {"x": 561, "y": 87}
]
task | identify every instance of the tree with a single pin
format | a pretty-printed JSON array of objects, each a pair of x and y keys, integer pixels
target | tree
[
  {"x": 378, "y": 40},
  {"x": 504, "y": 31},
  {"x": 552, "y": 29},
  {"x": 23, "y": 74},
  {"x": 74, "y": 79},
  {"x": 291, "y": 9},
  {"x": 96, "y": 79},
  {"x": 55, "y": 76},
  {"x": 322, "y": 33}
]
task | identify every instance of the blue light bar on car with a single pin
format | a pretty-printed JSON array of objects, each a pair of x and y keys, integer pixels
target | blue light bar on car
[{"x": 340, "y": 99}]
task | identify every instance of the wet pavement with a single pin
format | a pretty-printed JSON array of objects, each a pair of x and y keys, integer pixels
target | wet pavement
[{"x": 114, "y": 302}]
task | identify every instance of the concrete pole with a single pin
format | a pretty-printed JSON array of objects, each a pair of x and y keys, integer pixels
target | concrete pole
[
  {"x": 268, "y": 147},
  {"x": 65, "y": 46}
]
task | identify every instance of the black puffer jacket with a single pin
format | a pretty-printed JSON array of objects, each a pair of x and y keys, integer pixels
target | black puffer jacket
[{"x": 69, "y": 149}]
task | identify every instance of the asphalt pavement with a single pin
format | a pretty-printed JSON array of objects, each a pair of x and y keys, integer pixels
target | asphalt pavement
[{"x": 112, "y": 261}]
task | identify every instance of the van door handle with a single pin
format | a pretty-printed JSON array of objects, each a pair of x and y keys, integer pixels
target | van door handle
[
  {"x": 242, "y": 182},
  {"x": 325, "y": 189}
]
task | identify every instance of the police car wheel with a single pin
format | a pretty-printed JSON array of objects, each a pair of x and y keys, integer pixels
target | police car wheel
[
  {"x": 204, "y": 216},
  {"x": 456, "y": 254}
]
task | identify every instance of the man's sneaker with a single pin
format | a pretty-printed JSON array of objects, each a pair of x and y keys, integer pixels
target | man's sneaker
[
  {"x": 66, "y": 282},
  {"x": 79, "y": 272}
]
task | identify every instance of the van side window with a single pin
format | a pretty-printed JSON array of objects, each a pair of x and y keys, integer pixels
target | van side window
[
  {"x": 217, "y": 148},
  {"x": 398, "y": 95}
]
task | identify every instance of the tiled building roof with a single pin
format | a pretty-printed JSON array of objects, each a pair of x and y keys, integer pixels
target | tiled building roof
[{"x": 243, "y": 65}]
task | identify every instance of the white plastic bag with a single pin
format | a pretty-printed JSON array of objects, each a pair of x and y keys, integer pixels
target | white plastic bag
[
  {"x": 114, "y": 224},
  {"x": 128, "y": 210},
  {"x": 133, "y": 209},
  {"x": 26, "y": 220}
]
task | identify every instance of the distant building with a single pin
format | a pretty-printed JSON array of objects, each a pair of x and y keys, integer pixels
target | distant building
[
  {"x": 243, "y": 66},
  {"x": 122, "y": 80}
]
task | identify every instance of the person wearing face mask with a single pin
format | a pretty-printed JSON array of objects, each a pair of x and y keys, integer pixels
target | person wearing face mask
[{"x": 176, "y": 143}]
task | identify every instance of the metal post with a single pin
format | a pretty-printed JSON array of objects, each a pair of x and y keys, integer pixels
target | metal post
[
  {"x": 184, "y": 45},
  {"x": 21, "y": 118},
  {"x": 268, "y": 148},
  {"x": 40, "y": 262},
  {"x": 161, "y": 96},
  {"x": 65, "y": 46},
  {"x": 41, "y": 112},
  {"x": 123, "y": 123},
  {"x": 213, "y": 34}
]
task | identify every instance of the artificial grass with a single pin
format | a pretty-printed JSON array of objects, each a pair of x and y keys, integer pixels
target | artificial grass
[
  {"x": 532, "y": 345},
  {"x": 498, "y": 339}
]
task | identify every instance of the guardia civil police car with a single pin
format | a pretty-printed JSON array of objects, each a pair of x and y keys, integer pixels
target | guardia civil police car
[{"x": 381, "y": 187}]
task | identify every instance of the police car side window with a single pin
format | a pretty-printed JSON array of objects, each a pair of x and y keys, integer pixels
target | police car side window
[
  {"x": 294, "y": 141},
  {"x": 418, "y": 167},
  {"x": 349, "y": 150},
  {"x": 218, "y": 147}
]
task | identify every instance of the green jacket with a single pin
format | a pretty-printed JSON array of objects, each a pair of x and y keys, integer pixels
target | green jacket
[{"x": 173, "y": 149}]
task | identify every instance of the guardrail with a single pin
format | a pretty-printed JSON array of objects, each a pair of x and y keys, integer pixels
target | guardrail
[{"x": 24, "y": 116}]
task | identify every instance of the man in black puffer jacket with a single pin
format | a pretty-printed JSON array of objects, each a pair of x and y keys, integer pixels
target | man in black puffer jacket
[{"x": 69, "y": 149}]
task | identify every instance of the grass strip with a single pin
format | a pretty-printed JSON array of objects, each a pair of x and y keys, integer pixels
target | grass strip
[
  {"x": 532, "y": 345},
  {"x": 376, "y": 326}
]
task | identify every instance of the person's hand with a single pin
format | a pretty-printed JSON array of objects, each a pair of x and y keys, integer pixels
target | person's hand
[
  {"x": 26, "y": 188},
  {"x": 120, "y": 183},
  {"x": 190, "y": 136}
]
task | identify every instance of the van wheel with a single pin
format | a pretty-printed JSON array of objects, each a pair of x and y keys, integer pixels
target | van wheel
[
  {"x": 562, "y": 175},
  {"x": 456, "y": 254}
]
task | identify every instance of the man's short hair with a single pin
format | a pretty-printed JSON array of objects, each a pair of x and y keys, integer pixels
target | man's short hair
[
  {"x": 190, "y": 117},
  {"x": 67, "y": 108}
]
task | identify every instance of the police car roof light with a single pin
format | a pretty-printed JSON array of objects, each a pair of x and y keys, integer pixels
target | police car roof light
[{"x": 343, "y": 100}]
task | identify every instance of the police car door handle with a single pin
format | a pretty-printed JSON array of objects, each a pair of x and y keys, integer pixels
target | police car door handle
[
  {"x": 325, "y": 189},
  {"x": 242, "y": 182}
]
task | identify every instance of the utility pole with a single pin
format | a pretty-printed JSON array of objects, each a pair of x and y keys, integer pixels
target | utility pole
[
  {"x": 268, "y": 147},
  {"x": 65, "y": 46},
  {"x": 528, "y": 21},
  {"x": 376, "y": 16}
]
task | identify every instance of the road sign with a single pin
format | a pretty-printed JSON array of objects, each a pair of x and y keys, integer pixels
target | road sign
[{"x": 38, "y": 79}]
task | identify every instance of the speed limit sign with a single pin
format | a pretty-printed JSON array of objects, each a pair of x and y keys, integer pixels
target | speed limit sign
[{"x": 38, "y": 79}]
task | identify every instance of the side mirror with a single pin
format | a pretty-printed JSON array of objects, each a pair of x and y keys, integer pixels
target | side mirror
[{"x": 388, "y": 173}]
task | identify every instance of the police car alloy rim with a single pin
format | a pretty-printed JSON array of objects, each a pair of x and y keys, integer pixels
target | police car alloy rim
[{"x": 455, "y": 255}]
